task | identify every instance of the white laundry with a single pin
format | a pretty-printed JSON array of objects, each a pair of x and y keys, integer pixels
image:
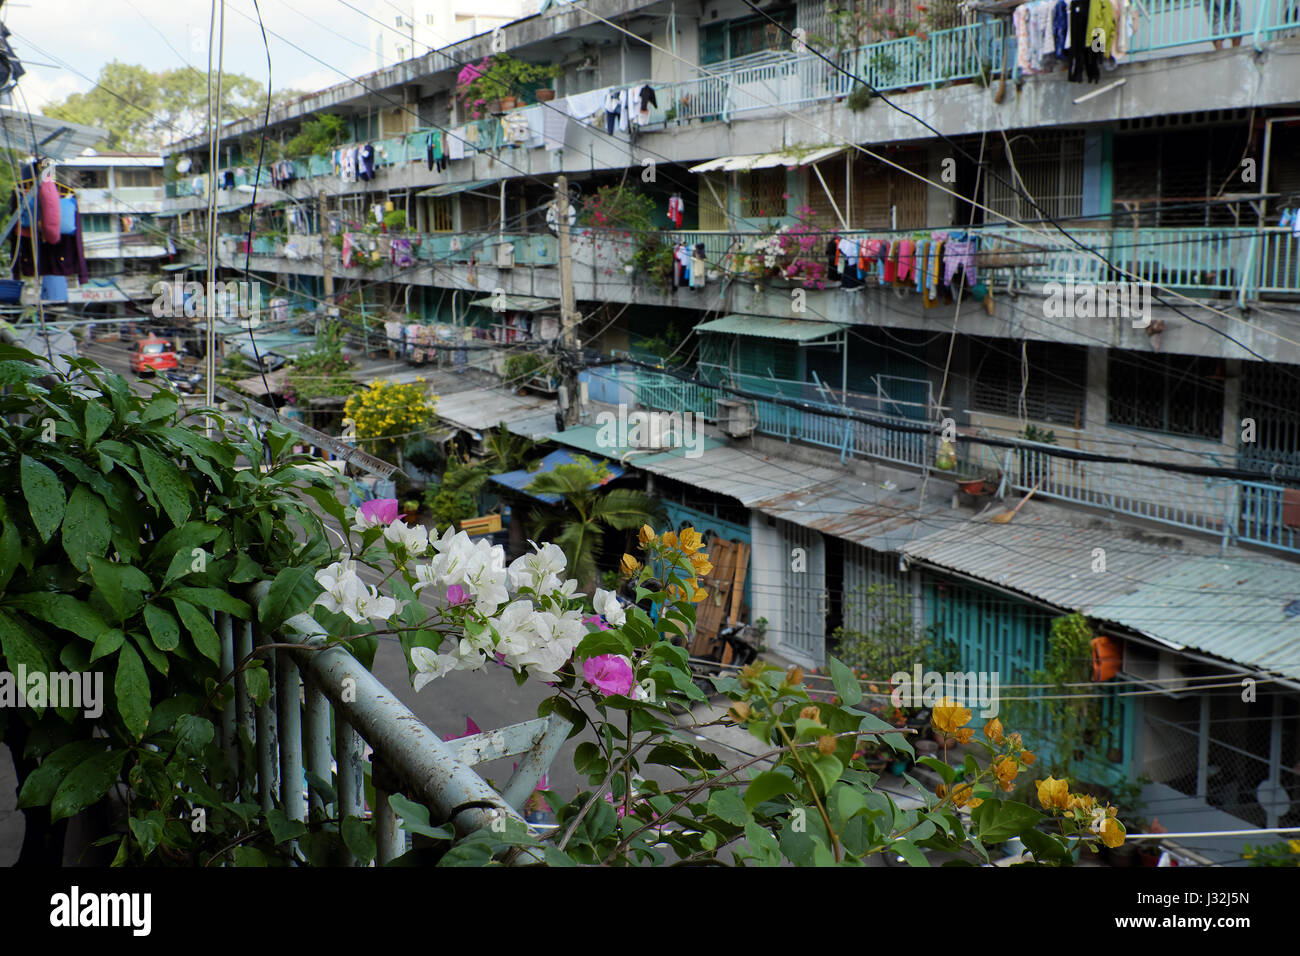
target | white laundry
[{"x": 583, "y": 106}]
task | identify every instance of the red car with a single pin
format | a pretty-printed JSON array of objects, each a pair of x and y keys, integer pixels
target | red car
[{"x": 153, "y": 355}]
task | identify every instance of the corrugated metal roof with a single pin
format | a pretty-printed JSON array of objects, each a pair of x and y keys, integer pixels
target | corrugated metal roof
[
  {"x": 764, "y": 327},
  {"x": 791, "y": 158},
  {"x": 1047, "y": 552},
  {"x": 450, "y": 189},
  {"x": 1232, "y": 607},
  {"x": 517, "y": 303},
  {"x": 481, "y": 408}
]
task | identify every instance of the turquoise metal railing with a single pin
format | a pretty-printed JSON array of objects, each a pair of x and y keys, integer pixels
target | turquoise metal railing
[
  {"x": 1132, "y": 489},
  {"x": 1173, "y": 23}
]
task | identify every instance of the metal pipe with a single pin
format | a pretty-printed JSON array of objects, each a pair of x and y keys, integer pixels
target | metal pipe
[
  {"x": 267, "y": 750},
  {"x": 245, "y": 711},
  {"x": 229, "y": 742},
  {"x": 288, "y": 693},
  {"x": 351, "y": 773},
  {"x": 534, "y": 763},
  {"x": 316, "y": 746}
]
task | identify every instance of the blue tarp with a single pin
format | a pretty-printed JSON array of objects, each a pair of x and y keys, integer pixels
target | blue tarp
[{"x": 521, "y": 479}]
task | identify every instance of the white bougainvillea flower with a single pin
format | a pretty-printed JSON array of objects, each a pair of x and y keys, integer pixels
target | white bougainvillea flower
[
  {"x": 608, "y": 607},
  {"x": 540, "y": 570},
  {"x": 414, "y": 539},
  {"x": 371, "y": 604},
  {"x": 344, "y": 589}
]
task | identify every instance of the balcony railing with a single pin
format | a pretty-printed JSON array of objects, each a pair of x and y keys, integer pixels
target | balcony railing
[
  {"x": 1246, "y": 512},
  {"x": 324, "y": 706}
]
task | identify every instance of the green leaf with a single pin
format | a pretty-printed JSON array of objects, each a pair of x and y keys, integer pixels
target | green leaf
[
  {"x": 42, "y": 783},
  {"x": 162, "y": 405},
  {"x": 557, "y": 857},
  {"x": 999, "y": 820},
  {"x": 148, "y": 830},
  {"x": 328, "y": 502},
  {"x": 727, "y": 805},
  {"x": 828, "y": 768},
  {"x": 134, "y": 701},
  {"x": 44, "y": 494},
  {"x": 11, "y": 552},
  {"x": 415, "y": 818},
  {"x": 257, "y": 680},
  {"x": 767, "y": 785},
  {"x": 357, "y": 838},
  {"x": 20, "y": 648},
  {"x": 246, "y": 569},
  {"x": 765, "y": 846},
  {"x": 249, "y": 856},
  {"x": 200, "y": 629},
  {"x": 85, "y": 527},
  {"x": 98, "y": 419},
  {"x": 292, "y": 592},
  {"x": 193, "y": 733},
  {"x": 107, "y": 643},
  {"x": 214, "y": 599},
  {"x": 603, "y": 642},
  {"x": 939, "y": 767},
  {"x": 846, "y": 685},
  {"x": 63, "y": 611},
  {"x": 1045, "y": 847},
  {"x": 154, "y": 657},
  {"x": 167, "y": 483},
  {"x": 282, "y": 828},
  {"x": 162, "y": 626},
  {"x": 909, "y": 852},
  {"x": 108, "y": 584},
  {"x": 86, "y": 784}
]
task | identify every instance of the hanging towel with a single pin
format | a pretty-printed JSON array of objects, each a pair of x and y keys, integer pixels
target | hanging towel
[{"x": 48, "y": 211}]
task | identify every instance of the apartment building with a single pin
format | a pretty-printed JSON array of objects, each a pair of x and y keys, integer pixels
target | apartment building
[
  {"x": 1122, "y": 344},
  {"x": 120, "y": 197},
  {"x": 417, "y": 26}
]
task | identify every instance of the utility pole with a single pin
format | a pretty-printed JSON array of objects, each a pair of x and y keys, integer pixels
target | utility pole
[
  {"x": 569, "y": 318},
  {"x": 326, "y": 272}
]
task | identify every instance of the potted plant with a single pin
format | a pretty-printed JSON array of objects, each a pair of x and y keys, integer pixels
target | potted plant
[
  {"x": 395, "y": 221},
  {"x": 499, "y": 81},
  {"x": 860, "y": 98}
]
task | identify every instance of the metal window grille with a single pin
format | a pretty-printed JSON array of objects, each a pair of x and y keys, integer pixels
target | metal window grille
[
  {"x": 440, "y": 215},
  {"x": 1050, "y": 170},
  {"x": 765, "y": 193},
  {"x": 1177, "y": 394},
  {"x": 1270, "y": 398},
  {"x": 1055, "y": 386}
]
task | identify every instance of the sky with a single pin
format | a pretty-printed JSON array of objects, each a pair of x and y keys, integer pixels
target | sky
[{"x": 64, "y": 43}]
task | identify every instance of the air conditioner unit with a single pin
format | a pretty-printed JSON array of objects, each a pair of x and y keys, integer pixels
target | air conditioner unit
[
  {"x": 735, "y": 418},
  {"x": 1160, "y": 667},
  {"x": 504, "y": 258}
]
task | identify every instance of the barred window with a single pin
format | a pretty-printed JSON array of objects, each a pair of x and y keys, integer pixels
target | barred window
[
  {"x": 440, "y": 215},
  {"x": 1177, "y": 394},
  {"x": 1054, "y": 379},
  {"x": 765, "y": 193}
]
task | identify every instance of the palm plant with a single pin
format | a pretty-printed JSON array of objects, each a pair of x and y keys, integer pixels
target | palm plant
[{"x": 590, "y": 511}]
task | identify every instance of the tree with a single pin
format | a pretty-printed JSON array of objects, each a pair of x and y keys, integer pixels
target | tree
[
  {"x": 590, "y": 510},
  {"x": 143, "y": 109}
]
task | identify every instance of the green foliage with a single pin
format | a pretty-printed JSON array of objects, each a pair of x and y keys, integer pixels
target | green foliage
[
  {"x": 522, "y": 367},
  {"x": 590, "y": 510},
  {"x": 664, "y": 345},
  {"x": 653, "y": 260},
  {"x": 320, "y": 133},
  {"x": 892, "y": 642},
  {"x": 324, "y": 372},
  {"x": 618, "y": 207},
  {"x": 1078, "y": 726},
  {"x": 1286, "y": 853},
  {"x": 860, "y": 98},
  {"x": 119, "y": 539},
  {"x": 141, "y": 109},
  {"x": 395, "y": 221}
]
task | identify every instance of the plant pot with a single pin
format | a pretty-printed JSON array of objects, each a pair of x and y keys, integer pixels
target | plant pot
[
  {"x": 509, "y": 102},
  {"x": 545, "y": 96}
]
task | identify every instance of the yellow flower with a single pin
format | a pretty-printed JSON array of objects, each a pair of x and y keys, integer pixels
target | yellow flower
[
  {"x": 1053, "y": 794},
  {"x": 1082, "y": 801},
  {"x": 701, "y": 564},
  {"x": 1294, "y": 845},
  {"x": 699, "y": 595},
  {"x": 646, "y": 535},
  {"x": 629, "y": 565},
  {"x": 690, "y": 540},
  {"x": 1005, "y": 770},
  {"x": 1028, "y": 757},
  {"x": 794, "y": 676},
  {"x": 1112, "y": 832},
  {"x": 739, "y": 711},
  {"x": 993, "y": 731},
  {"x": 962, "y": 794},
  {"x": 948, "y": 716},
  {"x": 669, "y": 539},
  {"x": 811, "y": 713}
]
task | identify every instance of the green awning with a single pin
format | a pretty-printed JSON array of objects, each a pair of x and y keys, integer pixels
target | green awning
[
  {"x": 517, "y": 303},
  {"x": 449, "y": 189},
  {"x": 763, "y": 327}
]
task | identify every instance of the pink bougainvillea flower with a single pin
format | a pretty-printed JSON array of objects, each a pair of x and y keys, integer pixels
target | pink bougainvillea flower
[
  {"x": 379, "y": 511},
  {"x": 597, "y": 620},
  {"x": 457, "y": 595},
  {"x": 609, "y": 674}
]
